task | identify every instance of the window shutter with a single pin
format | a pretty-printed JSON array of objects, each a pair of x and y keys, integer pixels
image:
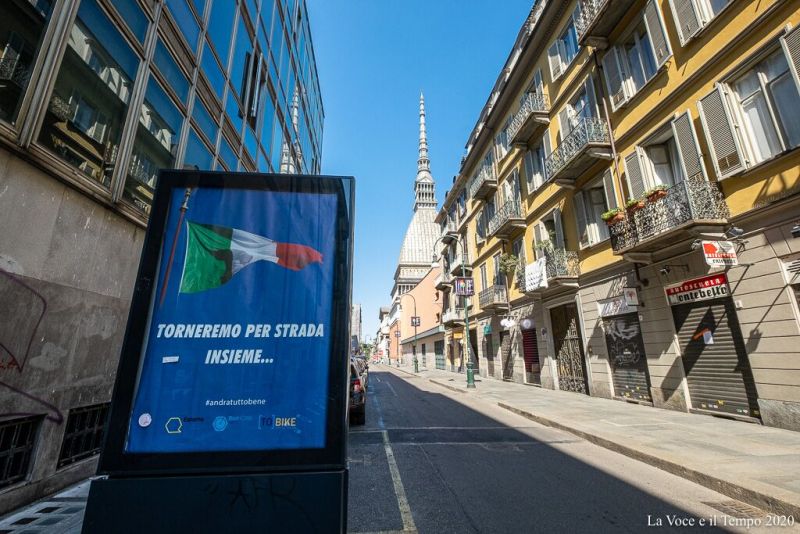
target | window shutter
[
  {"x": 559, "y": 228},
  {"x": 633, "y": 170},
  {"x": 564, "y": 124},
  {"x": 725, "y": 150},
  {"x": 537, "y": 234},
  {"x": 656, "y": 32},
  {"x": 580, "y": 215},
  {"x": 590, "y": 96},
  {"x": 688, "y": 147},
  {"x": 610, "y": 190},
  {"x": 614, "y": 78},
  {"x": 529, "y": 170},
  {"x": 555, "y": 61},
  {"x": 687, "y": 19},
  {"x": 791, "y": 47},
  {"x": 546, "y": 143},
  {"x": 537, "y": 81}
]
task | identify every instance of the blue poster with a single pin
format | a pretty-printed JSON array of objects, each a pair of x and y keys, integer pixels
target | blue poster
[{"x": 237, "y": 348}]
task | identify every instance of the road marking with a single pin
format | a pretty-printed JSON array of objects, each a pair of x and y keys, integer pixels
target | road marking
[
  {"x": 377, "y": 378},
  {"x": 391, "y": 387},
  {"x": 399, "y": 490}
]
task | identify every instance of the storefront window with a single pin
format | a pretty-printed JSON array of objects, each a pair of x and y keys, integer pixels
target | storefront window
[
  {"x": 155, "y": 145},
  {"x": 90, "y": 100},
  {"x": 22, "y": 24}
]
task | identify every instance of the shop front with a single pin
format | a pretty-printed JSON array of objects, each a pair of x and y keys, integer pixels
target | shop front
[
  {"x": 626, "y": 349},
  {"x": 713, "y": 352}
]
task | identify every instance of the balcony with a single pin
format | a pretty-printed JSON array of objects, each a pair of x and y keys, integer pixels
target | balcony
[
  {"x": 588, "y": 141},
  {"x": 453, "y": 317},
  {"x": 443, "y": 281},
  {"x": 483, "y": 184},
  {"x": 493, "y": 297},
  {"x": 459, "y": 265},
  {"x": 690, "y": 209},
  {"x": 562, "y": 269},
  {"x": 507, "y": 219},
  {"x": 449, "y": 233},
  {"x": 533, "y": 117},
  {"x": 598, "y": 19}
]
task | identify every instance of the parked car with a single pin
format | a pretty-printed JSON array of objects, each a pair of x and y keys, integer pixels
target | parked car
[
  {"x": 358, "y": 396},
  {"x": 363, "y": 367}
]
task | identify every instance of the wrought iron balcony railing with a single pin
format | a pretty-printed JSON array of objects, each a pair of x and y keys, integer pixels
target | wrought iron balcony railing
[
  {"x": 443, "y": 281},
  {"x": 589, "y": 11},
  {"x": 507, "y": 212},
  {"x": 587, "y": 130},
  {"x": 453, "y": 315},
  {"x": 457, "y": 263},
  {"x": 694, "y": 199},
  {"x": 532, "y": 103},
  {"x": 519, "y": 274},
  {"x": 485, "y": 176},
  {"x": 492, "y": 296},
  {"x": 562, "y": 264}
]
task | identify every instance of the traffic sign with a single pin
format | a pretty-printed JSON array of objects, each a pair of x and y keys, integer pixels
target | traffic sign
[{"x": 415, "y": 320}]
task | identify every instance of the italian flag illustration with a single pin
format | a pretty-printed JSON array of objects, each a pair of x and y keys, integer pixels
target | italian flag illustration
[{"x": 215, "y": 253}]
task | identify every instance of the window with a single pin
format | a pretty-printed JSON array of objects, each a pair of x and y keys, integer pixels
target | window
[
  {"x": 590, "y": 204},
  {"x": 83, "y": 435},
  {"x": 484, "y": 277},
  {"x": 155, "y": 145},
  {"x": 197, "y": 153},
  {"x": 535, "y": 170},
  {"x": 186, "y": 21},
  {"x": 91, "y": 95},
  {"x": 21, "y": 30},
  {"x": 499, "y": 279},
  {"x": 635, "y": 60},
  {"x": 133, "y": 16},
  {"x": 565, "y": 48},
  {"x": 501, "y": 139},
  {"x": 548, "y": 233},
  {"x": 691, "y": 16},
  {"x": 582, "y": 105},
  {"x": 668, "y": 157},
  {"x": 17, "y": 438},
  {"x": 169, "y": 69},
  {"x": 751, "y": 118}
]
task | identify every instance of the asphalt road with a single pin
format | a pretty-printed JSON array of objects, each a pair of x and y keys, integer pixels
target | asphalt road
[{"x": 426, "y": 461}]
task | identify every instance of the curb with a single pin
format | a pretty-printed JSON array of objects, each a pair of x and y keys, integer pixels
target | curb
[
  {"x": 447, "y": 386},
  {"x": 755, "y": 498}
]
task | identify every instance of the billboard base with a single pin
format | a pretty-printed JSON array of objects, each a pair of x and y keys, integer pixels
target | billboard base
[{"x": 264, "y": 502}]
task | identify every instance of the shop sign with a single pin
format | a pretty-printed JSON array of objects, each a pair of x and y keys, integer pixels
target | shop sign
[
  {"x": 699, "y": 289},
  {"x": 614, "y": 306},
  {"x": 536, "y": 275},
  {"x": 465, "y": 287},
  {"x": 720, "y": 253},
  {"x": 631, "y": 296}
]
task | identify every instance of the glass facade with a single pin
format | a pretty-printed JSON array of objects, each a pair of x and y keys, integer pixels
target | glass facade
[{"x": 143, "y": 85}]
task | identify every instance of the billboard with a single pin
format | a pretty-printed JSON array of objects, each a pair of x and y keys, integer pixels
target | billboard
[{"x": 242, "y": 349}]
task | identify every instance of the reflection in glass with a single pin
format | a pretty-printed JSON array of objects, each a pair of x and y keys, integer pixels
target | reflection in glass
[
  {"x": 227, "y": 154},
  {"x": 186, "y": 21},
  {"x": 90, "y": 100},
  {"x": 133, "y": 16},
  {"x": 213, "y": 73},
  {"x": 234, "y": 112},
  {"x": 197, "y": 153},
  {"x": 242, "y": 54},
  {"x": 220, "y": 24},
  {"x": 170, "y": 70},
  {"x": 203, "y": 118},
  {"x": 22, "y": 24},
  {"x": 155, "y": 145}
]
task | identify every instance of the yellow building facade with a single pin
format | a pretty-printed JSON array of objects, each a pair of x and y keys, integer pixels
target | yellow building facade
[{"x": 628, "y": 150}]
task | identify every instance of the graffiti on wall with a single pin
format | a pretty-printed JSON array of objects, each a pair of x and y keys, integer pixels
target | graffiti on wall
[{"x": 22, "y": 310}]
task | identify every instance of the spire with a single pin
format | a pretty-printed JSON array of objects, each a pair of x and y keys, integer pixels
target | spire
[
  {"x": 423, "y": 163},
  {"x": 424, "y": 186}
]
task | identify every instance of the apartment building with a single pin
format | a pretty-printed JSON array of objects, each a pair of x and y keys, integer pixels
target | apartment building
[
  {"x": 623, "y": 142},
  {"x": 95, "y": 97}
]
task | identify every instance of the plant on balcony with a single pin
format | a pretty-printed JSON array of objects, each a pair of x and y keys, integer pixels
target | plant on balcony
[
  {"x": 659, "y": 191},
  {"x": 634, "y": 204},
  {"x": 508, "y": 263},
  {"x": 613, "y": 216}
]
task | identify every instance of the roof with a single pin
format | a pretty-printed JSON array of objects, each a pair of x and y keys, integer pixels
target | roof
[{"x": 420, "y": 238}]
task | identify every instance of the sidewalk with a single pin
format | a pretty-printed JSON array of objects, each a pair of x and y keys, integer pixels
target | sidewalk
[{"x": 752, "y": 463}]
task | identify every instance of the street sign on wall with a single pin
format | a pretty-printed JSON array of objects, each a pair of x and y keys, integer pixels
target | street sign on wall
[
  {"x": 415, "y": 321},
  {"x": 698, "y": 289},
  {"x": 720, "y": 253},
  {"x": 465, "y": 286}
]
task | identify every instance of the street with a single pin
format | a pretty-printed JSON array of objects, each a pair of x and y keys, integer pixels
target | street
[{"x": 426, "y": 462}]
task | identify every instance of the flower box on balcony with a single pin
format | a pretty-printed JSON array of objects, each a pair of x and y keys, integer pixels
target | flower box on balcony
[
  {"x": 656, "y": 193},
  {"x": 633, "y": 205}
]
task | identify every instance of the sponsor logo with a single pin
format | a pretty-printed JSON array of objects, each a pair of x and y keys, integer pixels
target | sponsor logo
[
  {"x": 145, "y": 419},
  {"x": 193, "y": 419},
  {"x": 706, "y": 288},
  {"x": 285, "y": 422},
  {"x": 264, "y": 421},
  {"x": 174, "y": 425},
  {"x": 220, "y": 423}
]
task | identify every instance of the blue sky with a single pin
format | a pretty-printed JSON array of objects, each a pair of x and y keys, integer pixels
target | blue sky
[{"x": 373, "y": 58}]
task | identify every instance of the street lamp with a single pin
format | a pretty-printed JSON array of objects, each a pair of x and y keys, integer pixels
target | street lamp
[
  {"x": 415, "y": 323},
  {"x": 434, "y": 263}
]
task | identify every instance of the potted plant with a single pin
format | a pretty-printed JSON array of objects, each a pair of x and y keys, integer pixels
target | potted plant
[
  {"x": 508, "y": 263},
  {"x": 613, "y": 216},
  {"x": 657, "y": 192},
  {"x": 634, "y": 204}
]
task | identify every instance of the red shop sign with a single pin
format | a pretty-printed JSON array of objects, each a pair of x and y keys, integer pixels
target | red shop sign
[{"x": 705, "y": 288}]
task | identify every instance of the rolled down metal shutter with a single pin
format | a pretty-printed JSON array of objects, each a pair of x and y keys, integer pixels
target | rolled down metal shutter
[
  {"x": 530, "y": 351},
  {"x": 438, "y": 349},
  {"x": 714, "y": 358},
  {"x": 626, "y": 354}
]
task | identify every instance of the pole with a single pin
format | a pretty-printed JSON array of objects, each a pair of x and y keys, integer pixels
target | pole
[
  {"x": 470, "y": 372},
  {"x": 184, "y": 207},
  {"x": 414, "y": 323}
]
